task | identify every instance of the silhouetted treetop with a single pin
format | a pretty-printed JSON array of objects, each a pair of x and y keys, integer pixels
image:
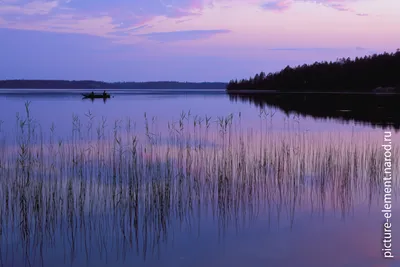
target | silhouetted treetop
[{"x": 361, "y": 74}]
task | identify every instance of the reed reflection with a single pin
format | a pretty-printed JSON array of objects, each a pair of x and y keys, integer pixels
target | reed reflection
[{"x": 110, "y": 194}]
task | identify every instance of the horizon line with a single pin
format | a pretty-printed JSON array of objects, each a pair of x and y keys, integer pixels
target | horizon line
[{"x": 60, "y": 80}]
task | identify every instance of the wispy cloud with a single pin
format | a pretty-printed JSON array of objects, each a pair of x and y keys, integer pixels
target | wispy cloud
[
  {"x": 118, "y": 19},
  {"x": 361, "y": 48},
  {"x": 66, "y": 23},
  {"x": 277, "y": 5},
  {"x": 316, "y": 49},
  {"x": 182, "y": 35},
  {"x": 182, "y": 21},
  {"x": 27, "y": 8},
  {"x": 95, "y": 17},
  {"x": 302, "y": 49},
  {"x": 339, "y": 7},
  {"x": 142, "y": 8}
]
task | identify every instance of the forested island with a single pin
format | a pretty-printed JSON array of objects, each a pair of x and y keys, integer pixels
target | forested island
[
  {"x": 64, "y": 84},
  {"x": 363, "y": 74}
]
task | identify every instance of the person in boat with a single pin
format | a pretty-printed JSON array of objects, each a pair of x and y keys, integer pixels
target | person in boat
[{"x": 104, "y": 93}]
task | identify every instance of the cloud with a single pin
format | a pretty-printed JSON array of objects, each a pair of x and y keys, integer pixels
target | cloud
[
  {"x": 302, "y": 49},
  {"x": 277, "y": 5},
  {"x": 360, "y": 48},
  {"x": 28, "y": 8},
  {"x": 128, "y": 12},
  {"x": 317, "y": 49},
  {"x": 182, "y": 21},
  {"x": 111, "y": 19},
  {"x": 120, "y": 18},
  {"x": 142, "y": 8},
  {"x": 339, "y": 7},
  {"x": 362, "y": 14},
  {"x": 66, "y": 23},
  {"x": 182, "y": 35}
]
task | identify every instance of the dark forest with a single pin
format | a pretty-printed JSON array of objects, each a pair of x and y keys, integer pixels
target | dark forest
[{"x": 362, "y": 74}]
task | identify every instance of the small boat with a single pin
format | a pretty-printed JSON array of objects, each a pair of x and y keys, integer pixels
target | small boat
[{"x": 92, "y": 95}]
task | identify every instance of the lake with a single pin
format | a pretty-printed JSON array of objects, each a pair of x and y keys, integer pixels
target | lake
[{"x": 195, "y": 178}]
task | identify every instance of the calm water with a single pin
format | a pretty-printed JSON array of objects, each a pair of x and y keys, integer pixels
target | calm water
[
  {"x": 59, "y": 106},
  {"x": 187, "y": 178}
]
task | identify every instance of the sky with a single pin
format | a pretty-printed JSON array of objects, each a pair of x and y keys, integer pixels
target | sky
[{"x": 186, "y": 40}]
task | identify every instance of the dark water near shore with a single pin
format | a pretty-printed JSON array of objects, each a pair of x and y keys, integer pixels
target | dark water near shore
[{"x": 189, "y": 178}]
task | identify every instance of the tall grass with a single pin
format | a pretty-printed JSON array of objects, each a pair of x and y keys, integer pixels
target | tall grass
[{"x": 110, "y": 190}]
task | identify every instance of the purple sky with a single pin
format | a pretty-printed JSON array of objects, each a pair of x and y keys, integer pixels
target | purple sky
[{"x": 186, "y": 40}]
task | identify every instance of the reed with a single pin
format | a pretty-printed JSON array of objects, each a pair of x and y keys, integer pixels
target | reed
[{"x": 109, "y": 191}]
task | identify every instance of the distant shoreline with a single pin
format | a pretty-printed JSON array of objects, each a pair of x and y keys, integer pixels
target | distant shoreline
[{"x": 93, "y": 85}]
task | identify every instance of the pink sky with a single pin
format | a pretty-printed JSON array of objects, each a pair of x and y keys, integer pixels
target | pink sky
[{"x": 186, "y": 40}]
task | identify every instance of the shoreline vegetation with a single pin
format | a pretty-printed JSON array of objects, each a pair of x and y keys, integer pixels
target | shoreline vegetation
[
  {"x": 88, "y": 84},
  {"x": 377, "y": 73}
]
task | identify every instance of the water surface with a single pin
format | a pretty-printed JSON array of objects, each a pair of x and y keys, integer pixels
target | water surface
[{"x": 187, "y": 179}]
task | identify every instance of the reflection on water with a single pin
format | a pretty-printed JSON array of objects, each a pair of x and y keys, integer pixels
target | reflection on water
[
  {"x": 203, "y": 192},
  {"x": 379, "y": 110}
]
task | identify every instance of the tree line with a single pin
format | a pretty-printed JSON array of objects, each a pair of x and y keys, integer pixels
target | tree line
[{"x": 358, "y": 75}]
